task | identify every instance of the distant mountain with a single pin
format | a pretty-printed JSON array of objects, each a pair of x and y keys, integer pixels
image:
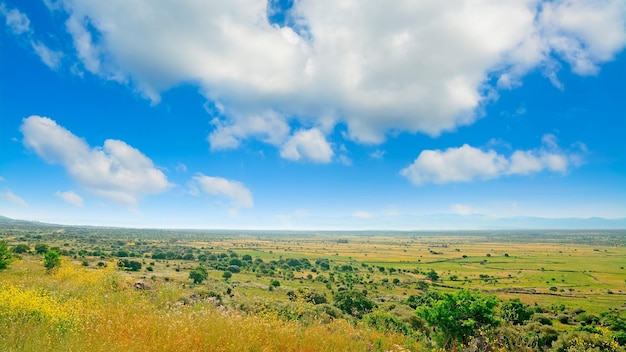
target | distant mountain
[
  {"x": 461, "y": 222},
  {"x": 5, "y": 221}
]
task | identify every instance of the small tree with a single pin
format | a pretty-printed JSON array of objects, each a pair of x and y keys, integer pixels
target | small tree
[
  {"x": 459, "y": 315},
  {"x": 5, "y": 255},
  {"x": 51, "y": 260},
  {"x": 227, "y": 275},
  {"x": 198, "y": 274},
  {"x": 41, "y": 248},
  {"x": 515, "y": 312},
  {"x": 432, "y": 275},
  {"x": 353, "y": 302},
  {"x": 134, "y": 265},
  {"x": 21, "y": 248}
]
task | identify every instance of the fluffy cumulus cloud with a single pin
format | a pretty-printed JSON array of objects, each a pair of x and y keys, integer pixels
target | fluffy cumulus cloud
[
  {"x": 307, "y": 145},
  {"x": 115, "y": 171},
  {"x": 238, "y": 194},
  {"x": 70, "y": 197},
  {"x": 419, "y": 66},
  {"x": 468, "y": 163}
]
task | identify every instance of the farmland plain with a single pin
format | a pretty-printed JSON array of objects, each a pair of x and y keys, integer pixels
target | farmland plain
[{"x": 286, "y": 278}]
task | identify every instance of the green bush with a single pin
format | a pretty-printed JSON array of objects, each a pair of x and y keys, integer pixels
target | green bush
[
  {"x": 385, "y": 323},
  {"x": 353, "y": 302},
  {"x": 51, "y": 260},
  {"x": 515, "y": 312},
  {"x": 584, "y": 341},
  {"x": 460, "y": 315},
  {"x": 198, "y": 274},
  {"x": 5, "y": 255}
]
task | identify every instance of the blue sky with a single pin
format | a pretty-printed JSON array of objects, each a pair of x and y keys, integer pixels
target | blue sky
[{"x": 311, "y": 114}]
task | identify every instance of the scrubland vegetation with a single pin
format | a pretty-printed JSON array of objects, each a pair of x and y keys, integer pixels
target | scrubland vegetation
[{"x": 99, "y": 289}]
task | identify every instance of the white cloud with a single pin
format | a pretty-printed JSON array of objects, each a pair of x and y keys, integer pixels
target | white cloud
[
  {"x": 417, "y": 66},
  {"x": 269, "y": 127},
  {"x": 463, "y": 209},
  {"x": 362, "y": 214},
  {"x": 585, "y": 32},
  {"x": 115, "y": 171},
  {"x": 307, "y": 145},
  {"x": 468, "y": 163},
  {"x": 70, "y": 197},
  {"x": 17, "y": 22},
  {"x": 235, "y": 191},
  {"x": 49, "y": 57},
  {"x": 378, "y": 154},
  {"x": 455, "y": 165},
  {"x": 13, "y": 198},
  {"x": 180, "y": 167}
]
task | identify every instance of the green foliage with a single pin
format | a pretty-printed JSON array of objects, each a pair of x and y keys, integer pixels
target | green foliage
[
  {"x": 5, "y": 255},
  {"x": 584, "y": 341},
  {"x": 613, "y": 321},
  {"x": 542, "y": 319},
  {"x": 198, "y": 274},
  {"x": 353, "y": 302},
  {"x": 460, "y": 315},
  {"x": 21, "y": 248},
  {"x": 619, "y": 337},
  {"x": 131, "y": 265},
  {"x": 275, "y": 283},
  {"x": 51, "y": 260},
  {"x": 515, "y": 312},
  {"x": 424, "y": 299},
  {"x": 385, "y": 322},
  {"x": 541, "y": 336},
  {"x": 41, "y": 248},
  {"x": 307, "y": 295},
  {"x": 227, "y": 275},
  {"x": 233, "y": 269},
  {"x": 432, "y": 275},
  {"x": 236, "y": 261}
]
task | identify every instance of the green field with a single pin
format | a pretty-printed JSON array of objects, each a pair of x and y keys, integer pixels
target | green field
[{"x": 557, "y": 274}]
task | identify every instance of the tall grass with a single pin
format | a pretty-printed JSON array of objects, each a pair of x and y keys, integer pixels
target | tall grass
[{"x": 87, "y": 309}]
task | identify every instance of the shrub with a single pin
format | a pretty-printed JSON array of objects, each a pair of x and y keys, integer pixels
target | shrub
[
  {"x": 432, "y": 275},
  {"x": 21, "y": 248},
  {"x": 41, "y": 248},
  {"x": 515, "y": 312},
  {"x": 199, "y": 274},
  {"x": 458, "y": 316},
  {"x": 542, "y": 319},
  {"x": 5, "y": 255},
  {"x": 563, "y": 318},
  {"x": 353, "y": 302},
  {"x": 51, "y": 260},
  {"x": 425, "y": 299},
  {"x": 584, "y": 341},
  {"x": 233, "y": 269},
  {"x": 385, "y": 323}
]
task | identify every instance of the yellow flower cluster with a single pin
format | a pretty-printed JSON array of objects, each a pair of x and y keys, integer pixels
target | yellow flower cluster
[{"x": 23, "y": 304}]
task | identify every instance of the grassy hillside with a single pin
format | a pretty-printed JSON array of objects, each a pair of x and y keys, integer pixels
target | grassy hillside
[{"x": 284, "y": 292}]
